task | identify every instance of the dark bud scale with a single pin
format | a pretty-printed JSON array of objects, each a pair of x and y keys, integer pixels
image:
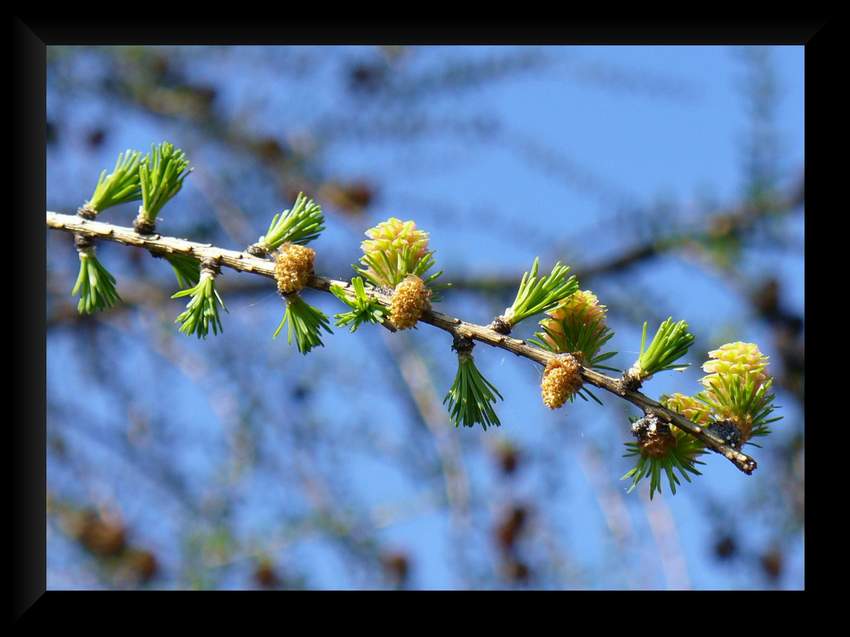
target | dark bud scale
[
  {"x": 727, "y": 431},
  {"x": 653, "y": 436}
]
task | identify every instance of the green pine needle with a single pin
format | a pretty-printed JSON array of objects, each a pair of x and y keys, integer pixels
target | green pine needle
[
  {"x": 578, "y": 337},
  {"x": 302, "y": 224},
  {"x": 670, "y": 343},
  {"x": 682, "y": 458},
  {"x": 383, "y": 270},
  {"x": 364, "y": 308},
  {"x": 161, "y": 175},
  {"x": 305, "y": 322},
  {"x": 541, "y": 294},
  {"x": 95, "y": 285},
  {"x": 120, "y": 186},
  {"x": 186, "y": 269},
  {"x": 470, "y": 397},
  {"x": 201, "y": 312}
]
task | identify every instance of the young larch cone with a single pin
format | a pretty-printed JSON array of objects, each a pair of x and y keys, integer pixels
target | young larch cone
[
  {"x": 561, "y": 380},
  {"x": 741, "y": 359},
  {"x": 735, "y": 365},
  {"x": 293, "y": 267},
  {"x": 393, "y": 250},
  {"x": 580, "y": 307},
  {"x": 410, "y": 300},
  {"x": 395, "y": 235},
  {"x": 689, "y": 407}
]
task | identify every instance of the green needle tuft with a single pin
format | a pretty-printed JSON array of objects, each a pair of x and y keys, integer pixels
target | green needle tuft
[
  {"x": 678, "y": 452},
  {"x": 95, "y": 285},
  {"x": 305, "y": 322},
  {"x": 471, "y": 396},
  {"x": 119, "y": 186},
  {"x": 201, "y": 313},
  {"x": 302, "y": 224},
  {"x": 670, "y": 343},
  {"x": 364, "y": 309},
  {"x": 161, "y": 175},
  {"x": 540, "y": 294}
]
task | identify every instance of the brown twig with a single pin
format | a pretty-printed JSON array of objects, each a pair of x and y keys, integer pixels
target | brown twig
[
  {"x": 729, "y": 222},
  {"x": 243, "y": 262}
]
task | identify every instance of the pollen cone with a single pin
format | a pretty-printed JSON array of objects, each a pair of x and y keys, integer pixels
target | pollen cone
[
  {"x": 293, "y": 267},
  {"x": 561, "y": 380},
  {"x": 410, "y": 300}
]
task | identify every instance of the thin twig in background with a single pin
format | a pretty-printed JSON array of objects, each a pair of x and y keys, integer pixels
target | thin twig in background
[{"x": 670, "y": 553}]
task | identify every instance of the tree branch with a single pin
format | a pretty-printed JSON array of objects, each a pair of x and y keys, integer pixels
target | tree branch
[
  {"x": 241, "y": 261},
  {"x": 727, "y": 222}
]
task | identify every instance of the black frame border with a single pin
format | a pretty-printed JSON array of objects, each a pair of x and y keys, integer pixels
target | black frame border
[{"x": 30, "y": 39}]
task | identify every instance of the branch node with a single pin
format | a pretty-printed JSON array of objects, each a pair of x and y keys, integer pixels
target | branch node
[
  {"x": 83, "y": 242},
  {"x": 630, "y": 381},
  {"x": 143, "y": 226},
  {"x": 211, "y": 266},
  {"x": 87, "y": 213},
  {"x": 462, "y": 344},
  {"x": 257, "y": 250},
  {"x": 500, "y": 325}
]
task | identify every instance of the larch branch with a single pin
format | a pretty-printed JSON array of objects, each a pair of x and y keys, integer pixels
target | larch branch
[{"x": 243, "y": 262}]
